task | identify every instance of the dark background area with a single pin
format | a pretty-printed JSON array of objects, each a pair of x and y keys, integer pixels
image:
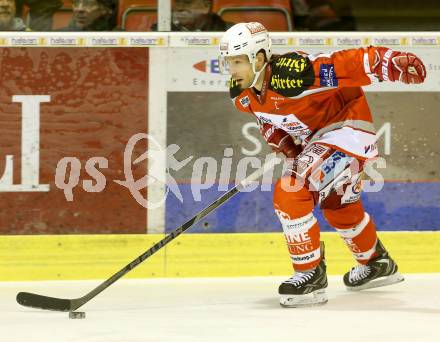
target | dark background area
[{"x": 393, "y": 15}]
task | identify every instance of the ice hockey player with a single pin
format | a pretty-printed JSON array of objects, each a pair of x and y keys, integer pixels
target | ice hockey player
[{"x": 313, "y": 110}]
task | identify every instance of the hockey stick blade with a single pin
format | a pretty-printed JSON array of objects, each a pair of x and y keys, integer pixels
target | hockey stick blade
[
  {"x": 60, "y": 304},
  {"x": 43, "y": 302}
]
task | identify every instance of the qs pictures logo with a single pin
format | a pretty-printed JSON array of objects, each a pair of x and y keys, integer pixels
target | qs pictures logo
[{"x": 209, "y": 66}]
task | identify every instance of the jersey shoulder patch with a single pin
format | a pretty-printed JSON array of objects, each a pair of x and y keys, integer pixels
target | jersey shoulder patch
[{"x": 292, "y": 74}]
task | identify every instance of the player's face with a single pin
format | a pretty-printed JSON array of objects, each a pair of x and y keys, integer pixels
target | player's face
[
  {"x": 7, "y": 13},
  {"x": 241, "y": 70},
  {"x": 85, "y": 12}
]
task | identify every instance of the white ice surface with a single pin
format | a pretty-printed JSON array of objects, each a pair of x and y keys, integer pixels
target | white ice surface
[{"x": 225, "y": 309}]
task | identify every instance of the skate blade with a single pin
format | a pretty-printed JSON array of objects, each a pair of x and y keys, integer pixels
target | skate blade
[
  {"x": 318, "y": 297},
  {"x": 384, "y": 281}
]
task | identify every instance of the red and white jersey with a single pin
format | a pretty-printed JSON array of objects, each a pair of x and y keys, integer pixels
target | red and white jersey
[{"x": 317, "y": 98}]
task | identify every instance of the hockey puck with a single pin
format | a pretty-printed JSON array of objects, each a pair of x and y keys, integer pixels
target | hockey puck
[{"x": 77, "y": 314}]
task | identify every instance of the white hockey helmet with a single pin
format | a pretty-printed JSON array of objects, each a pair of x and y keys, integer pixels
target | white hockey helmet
[{"x": 244, "y": 39}]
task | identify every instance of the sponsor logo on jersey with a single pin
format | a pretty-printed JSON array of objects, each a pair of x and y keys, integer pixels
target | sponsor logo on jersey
[
  {"x": 323, "y": 195},
  {"x": 299, "y": 243},
  {"x": 327, "y": 75},
  {"x": 245, "y": 102},
  {"x": 352, "y": 246},
  {"x": 301, "y": 133},
  {"x": 264, "y": 119},
  {"x": 282, "y": 215},
  {"x": 295, "y": 127},
  {"x": 291, "y": 125},
  {"x": 353, "y": 192},
  {"x": 292, "y": 74},
  {"x": 308, "y": 159},
  {"x": 330, "y": 169},
  {"x": 278, "y": 82},
  {"x": 302, "y": 224},
  {"x": 211, "y": 66},
  {"x": 295, "y": 64},
  {"x": 370, "y": 148},
  {"x": 303, "y": 259},
  {"x": 304, "y": 163},
  {"x": 269, "y": 132},
  {"x": 317, "y": 150},
  {"x": 357, "y": 187},
  {"x": 288, "y": 123},
  {"x": 330, "y": 163}
]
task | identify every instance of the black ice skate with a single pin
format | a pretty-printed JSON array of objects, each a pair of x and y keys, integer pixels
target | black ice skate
[
  {"x": 380, "y": 271},
  {"x": 305, "y": 288}
]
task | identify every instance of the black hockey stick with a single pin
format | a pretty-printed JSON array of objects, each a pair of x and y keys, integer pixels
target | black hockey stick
[{"x": 60, "y": 304}]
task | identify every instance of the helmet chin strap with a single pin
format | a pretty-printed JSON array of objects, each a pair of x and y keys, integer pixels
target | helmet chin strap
[{"x": 257, "y": 73}]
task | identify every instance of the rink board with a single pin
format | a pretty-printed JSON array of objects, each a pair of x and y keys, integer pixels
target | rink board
[
  {"x": 106, "y": 87},
  {"x": 94, "y": 101},
  {"x": 191, "y": 255}
]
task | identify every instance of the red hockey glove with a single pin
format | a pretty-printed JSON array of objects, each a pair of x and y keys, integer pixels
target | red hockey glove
[
  {"x": 393, "y": 66},
  {"x": 279, "y": 140}
]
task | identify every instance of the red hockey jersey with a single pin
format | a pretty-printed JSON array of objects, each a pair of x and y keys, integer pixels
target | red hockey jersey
[{"x": 317, "y": 98}]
